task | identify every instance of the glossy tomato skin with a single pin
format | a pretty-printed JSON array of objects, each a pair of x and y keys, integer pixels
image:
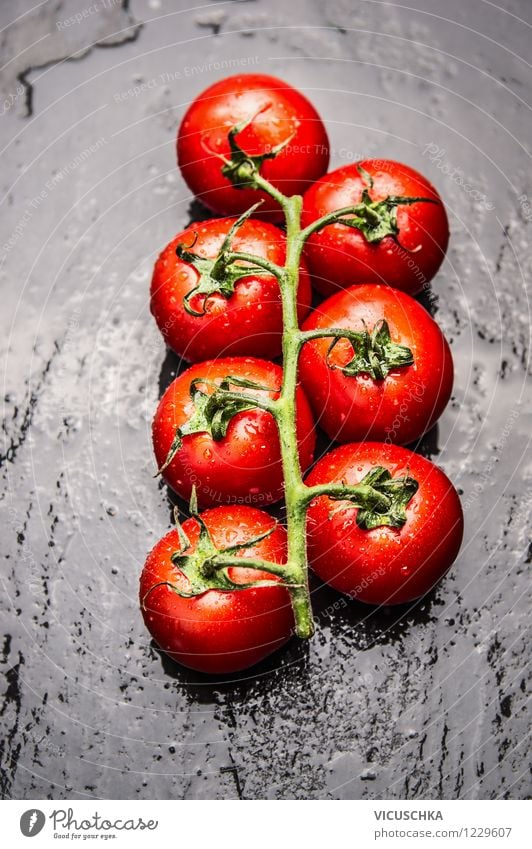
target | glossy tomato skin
[
  {"x": 249, "y": 322},
  {"x": 245, "y": 466},
  {"x": 384, "y": 565},
  {"x": 285, "y": 113},
  {"x": 339, "y": 256},
  {"x": 218, "y": 632},
  {"x": 408, "y": 401}
]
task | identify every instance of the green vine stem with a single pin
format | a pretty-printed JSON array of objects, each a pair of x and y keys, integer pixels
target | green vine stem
[
  {"x": 295, "y": 501},
  {"x": 381, "y": 500}
]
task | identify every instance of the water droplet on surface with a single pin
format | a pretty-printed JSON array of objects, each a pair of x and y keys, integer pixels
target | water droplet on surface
[{"x": 368, "y": 775}]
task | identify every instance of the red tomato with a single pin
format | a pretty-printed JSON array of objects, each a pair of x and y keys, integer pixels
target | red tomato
[
  {"x": 218, "y": 631},
  {"x": 279, "y": 113},
  {"x": 249, "y": 322},
  {"x": 244, "y": 466},
  {"x": 339, "y": 256},
  {"x": 408, "y": 400},
  {"x": 384, "y": 565}
]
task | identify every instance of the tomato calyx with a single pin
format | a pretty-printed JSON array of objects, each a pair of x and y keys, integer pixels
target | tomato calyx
[
  {"x": 242, "y": 169},
  {"x": 375, "y": 219},
  {"x": 213, "y": 411},
  {"x": 205, "y": 567},
  {"x": 221, "y": 274},
  {"x": 374, "y": 353},
  {"x": 380, "y": 498}
]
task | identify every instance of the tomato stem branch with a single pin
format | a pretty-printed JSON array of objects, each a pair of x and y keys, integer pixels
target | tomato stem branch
[
  {"x": 266, "y": 264},
  {"x": 375, "y": 219},
  {"x": 325, "y": 220},
  {"x": 269, "y": 405},
  {"x": 261, "y": 183},
  {"x": 282, "y": 570},
  {"x": 361, "y": 493}
]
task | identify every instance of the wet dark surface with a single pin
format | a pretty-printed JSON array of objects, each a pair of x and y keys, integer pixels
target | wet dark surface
[{"x": 426, "y": 702}]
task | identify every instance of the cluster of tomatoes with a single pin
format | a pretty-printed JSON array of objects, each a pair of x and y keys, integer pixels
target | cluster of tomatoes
[{"x": 383, "y": 384}]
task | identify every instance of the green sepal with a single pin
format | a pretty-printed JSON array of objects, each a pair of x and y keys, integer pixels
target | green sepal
[
  {"x": 202, "y": 571},
  {"x": 381, "y": 499},
  {"x": 193, "y": 503},
  {"x": 377, "y": 219},
  {"x": 214, "y": 412},
  {"x": 184, "y": 541},
  {"x": 242, "y": 168},
  {"x": 219, "y": 275},
  {"x": 375, "y": 353}
]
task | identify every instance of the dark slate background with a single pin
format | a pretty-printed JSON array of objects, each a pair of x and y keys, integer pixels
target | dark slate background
[{"x": 421, "y": 703}]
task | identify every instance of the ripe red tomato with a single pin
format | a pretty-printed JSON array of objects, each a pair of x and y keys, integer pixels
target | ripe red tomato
[
  {"x": 384, "y": 565},
  {"x": 248, "y": 322},
  {"x": 279, "y": 113},
  {"x": 217, "y": 631},
  {"x": 245, "y": 465},
  {"x": 397, "y": 408},
  {"x": 340, "y": 256}
]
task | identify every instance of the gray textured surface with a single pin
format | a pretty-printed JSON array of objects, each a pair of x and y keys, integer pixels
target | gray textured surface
[{"x": 426, "y": 703}]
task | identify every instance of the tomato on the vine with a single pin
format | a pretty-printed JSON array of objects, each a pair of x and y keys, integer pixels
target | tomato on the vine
[
  {"x": 369, "y": 387},
  {"x": 218, "y": 631},
  {"x": 382, "y": 524},
  {"x": 402, "y": 244},
  {"x": 383, "y": 565},
  {"x": 200, "y": 320},
  {"x": 242, "y": 466},
  {"x": 278, "y": 114}
]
